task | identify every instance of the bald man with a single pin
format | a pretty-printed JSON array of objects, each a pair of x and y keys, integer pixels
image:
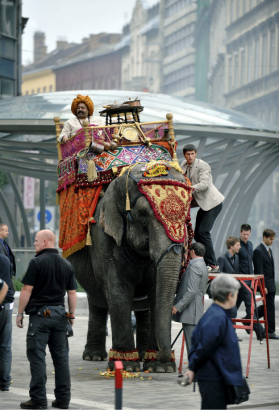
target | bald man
[{"x": 46, "y": 281}]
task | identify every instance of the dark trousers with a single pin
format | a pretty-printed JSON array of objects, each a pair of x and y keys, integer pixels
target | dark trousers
[
  {"x": 43, "y": 331},
  {"x": 270, "y": 311},
  {"x": 204, "y": 224},
  {"x": 245, "y": 296},
  {"x": 213, "y": 394},
  {"x": 5, "y": 347}
]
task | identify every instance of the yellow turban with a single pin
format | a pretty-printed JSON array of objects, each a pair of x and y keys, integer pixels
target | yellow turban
[{"x": 85, "y": 100}]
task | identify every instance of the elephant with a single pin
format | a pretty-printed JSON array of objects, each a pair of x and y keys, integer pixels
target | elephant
[{"x": 131, "y": 265}]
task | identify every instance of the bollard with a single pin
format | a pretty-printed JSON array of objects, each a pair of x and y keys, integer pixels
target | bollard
[{"x": 118, "y": 366}]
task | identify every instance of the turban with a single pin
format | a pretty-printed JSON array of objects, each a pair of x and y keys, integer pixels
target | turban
[{"x": 85, "y": 100}]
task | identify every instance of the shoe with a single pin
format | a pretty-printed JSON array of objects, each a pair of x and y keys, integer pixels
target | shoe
[
  {"x": 4, "y": 388},
  {"x": 272, "y": 336},
  {"x": 238, "y": 339},
  {"x": 263, "y": 337},
  {"x": 213, "y": 269},
  {"x": 59, "y": 405},
  {"x": 30, "y": 404}
]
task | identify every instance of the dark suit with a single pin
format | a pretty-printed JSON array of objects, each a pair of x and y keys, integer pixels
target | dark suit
[
  {"x": 3, "y": 251},
  {"x": 226, "y": 266},
  {"x": 264, "y": 265}
]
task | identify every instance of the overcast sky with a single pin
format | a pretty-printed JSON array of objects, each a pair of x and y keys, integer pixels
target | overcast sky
[{"x": 72, "y": 20}]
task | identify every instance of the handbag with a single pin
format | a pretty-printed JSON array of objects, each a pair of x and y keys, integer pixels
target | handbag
[{"x": 237, "y": 394}]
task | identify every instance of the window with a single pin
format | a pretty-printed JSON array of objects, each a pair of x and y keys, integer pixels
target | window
[
  {"x": 7, "y": 68},
  {"x": 257, "y": 58},
  {"x": 244, "y": 3},
  {"x": 264, "y": 55},
  {"x": 38, "y": 90},
  {"x": 232, "y": 11},
  {"x": 44, "y": 90},
  {"x": 174, "y": 6},
  {"x": 7, "y": 88},
  {"x": 33, "y": 91},
  {"x": 230, "y": 72},
  {"x": 236, "y": 68},
  {"x": 249, "y": 73},
  {"x": 50, "y": 88},
  {"x": 179, "y": 40},
  {"x": 238, "y": 13},
  {"x": 272, "y": 50},
  {"x": 179, "y": 79},
  {"x": 7, "y": 48},
  {"x": 243, "y": 67},
  {"x": 26, "y": 92},
  {"x": 251, "y": 4}
]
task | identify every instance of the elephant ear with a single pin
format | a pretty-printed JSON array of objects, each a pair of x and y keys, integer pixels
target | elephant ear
[{"x": 111, "y": 219}]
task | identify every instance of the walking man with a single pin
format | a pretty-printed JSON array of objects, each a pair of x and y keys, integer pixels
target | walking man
[
  {"x": 188, "y": 303},
  {"x": 6, "y": 311},
  {"x": 47, "y": 279},
  {"x": 245, "y": 255},
  {"x": 229, "y": 263},
  {"x": 205, "y": 196},
  {"x": 264, "y": 265},
  {"x": 5, "y": 249}
]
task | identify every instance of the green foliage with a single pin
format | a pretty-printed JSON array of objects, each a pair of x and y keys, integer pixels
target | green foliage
[
  {"x": 80, "y": 288},
  {"x": 3, "y": 179}
]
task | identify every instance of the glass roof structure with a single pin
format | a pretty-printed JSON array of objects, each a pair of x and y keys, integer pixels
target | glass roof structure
[{"x": 241, "y": 150}]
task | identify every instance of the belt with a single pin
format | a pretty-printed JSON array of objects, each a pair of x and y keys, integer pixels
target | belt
[{"x": 7, "y": 306}]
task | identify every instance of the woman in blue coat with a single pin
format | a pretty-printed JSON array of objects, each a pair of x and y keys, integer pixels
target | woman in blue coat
[{"x": 214, "y": 358}]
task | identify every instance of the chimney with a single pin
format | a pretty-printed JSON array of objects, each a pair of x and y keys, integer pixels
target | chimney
[
  {"x": 61, "y": 42},
  {"x": 40, "y": 49}
]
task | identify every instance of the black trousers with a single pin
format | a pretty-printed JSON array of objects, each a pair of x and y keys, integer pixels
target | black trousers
[
  {"x": 204, "y": 224},
  {"x": 270, "y": 311},
  {"x": 245, "y": 296},
  {"x": 213, "y": 394},
  {"x": 43, "y": 331}
]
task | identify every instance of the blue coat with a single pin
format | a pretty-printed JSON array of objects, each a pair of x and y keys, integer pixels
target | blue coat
[{"x": 215, "y": 355}]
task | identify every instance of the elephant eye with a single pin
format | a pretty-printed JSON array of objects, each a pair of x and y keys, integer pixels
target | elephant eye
[{"x": 142, "y": 218}]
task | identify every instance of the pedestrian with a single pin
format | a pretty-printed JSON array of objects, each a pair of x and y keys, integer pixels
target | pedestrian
[
  {"x": 214, "y": 357},
  {"x": 264, "y": 265},
  {"x": 205, "y": 196},
  {"x": 6, "y": 311},
  {"x": 3, "y": 288},
  {"x": 47, "y": 279},
  {"x": 245, "y": 255},
  {"x": 188, "y": 303},
  {"x": 5, "y": 249},
  {"x": 229, "y": 263}
]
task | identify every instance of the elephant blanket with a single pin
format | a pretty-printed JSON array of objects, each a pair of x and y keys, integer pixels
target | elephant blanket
[{"x": 170, "y": 201}]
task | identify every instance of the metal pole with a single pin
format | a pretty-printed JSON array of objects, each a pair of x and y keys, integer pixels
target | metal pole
[
  {"x": 42, "y": 205},
  {"x": 118, "y": 366},
  {"x": 176, "y": 338}
]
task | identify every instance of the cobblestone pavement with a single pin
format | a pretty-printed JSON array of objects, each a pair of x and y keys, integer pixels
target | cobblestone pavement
[{"x": 90, "y": 390}]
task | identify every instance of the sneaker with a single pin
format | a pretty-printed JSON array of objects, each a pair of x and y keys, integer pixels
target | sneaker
[
  {"x": 58, "y": 405},
  {"x": 30, "y": 404},
  {"x": 213, "y": 269},
  {"x": 4, "y": 388}
]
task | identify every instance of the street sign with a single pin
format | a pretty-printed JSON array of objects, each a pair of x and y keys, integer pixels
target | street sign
[{"x": 49, "y": 218}]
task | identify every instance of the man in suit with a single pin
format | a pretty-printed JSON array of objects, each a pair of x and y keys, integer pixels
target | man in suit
[
  {"x": 6, "y": 311},
  {"x": 229, "y": 263},
  {"x": 4, "y": 247},
  {"x": 188, "y": 303},
  {"x": 264, "y": 265},
  {"x": 205, "y": 196}
]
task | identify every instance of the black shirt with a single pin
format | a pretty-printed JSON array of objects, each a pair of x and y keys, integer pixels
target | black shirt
[
  {"x": 50, "y": 275},
  {"x": 6, "y": 276}
]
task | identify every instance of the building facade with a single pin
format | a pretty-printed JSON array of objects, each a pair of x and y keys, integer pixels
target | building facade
[
  {"x": 178, "y": 55},
  {"x": 11, "y": 28}
]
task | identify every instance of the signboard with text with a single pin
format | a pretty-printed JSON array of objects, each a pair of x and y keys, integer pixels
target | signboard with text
[{"x": 29, "y": 193}]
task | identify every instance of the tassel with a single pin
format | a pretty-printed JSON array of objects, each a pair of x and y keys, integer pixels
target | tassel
[
  {"x": 57, "y": 198},
  {"x": 128, "y": 206},
  {"x": 91, "y": 171},
  {"x": 88, "y": 237}
]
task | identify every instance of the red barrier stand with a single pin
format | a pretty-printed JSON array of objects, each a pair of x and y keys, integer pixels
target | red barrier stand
[
  {"x": 118, "y": 384},
  {"x": 257, "y": 285}
]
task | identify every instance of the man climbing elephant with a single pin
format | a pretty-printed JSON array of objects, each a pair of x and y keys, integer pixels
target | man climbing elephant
[{"x": 83, "y": 108}]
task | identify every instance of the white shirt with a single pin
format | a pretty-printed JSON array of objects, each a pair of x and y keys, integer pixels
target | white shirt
[
  {"x": 266, "y": 247},
  {"x": 74, "y": 124}
]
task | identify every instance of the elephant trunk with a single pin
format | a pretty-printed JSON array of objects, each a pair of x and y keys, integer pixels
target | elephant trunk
[{"x": 167, "y": 277}]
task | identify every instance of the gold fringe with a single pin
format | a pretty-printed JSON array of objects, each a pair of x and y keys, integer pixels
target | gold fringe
[
  {"x": 74, "y": 248},
  {"x": 57, "y": 198},
  {"x": 91, "y": 171},
  {"x": 88, "y": 237},
  {"x": 128, "y": 206},
  {"x": 175, "y": 165}
]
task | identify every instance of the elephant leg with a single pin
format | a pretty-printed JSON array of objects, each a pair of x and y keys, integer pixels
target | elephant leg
[
  {"x": 95, "y": 348},
  {"x": 155, "y": 366},
  {"x": 123, "y": 343},
  {"x": 143, "y": 331}
]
